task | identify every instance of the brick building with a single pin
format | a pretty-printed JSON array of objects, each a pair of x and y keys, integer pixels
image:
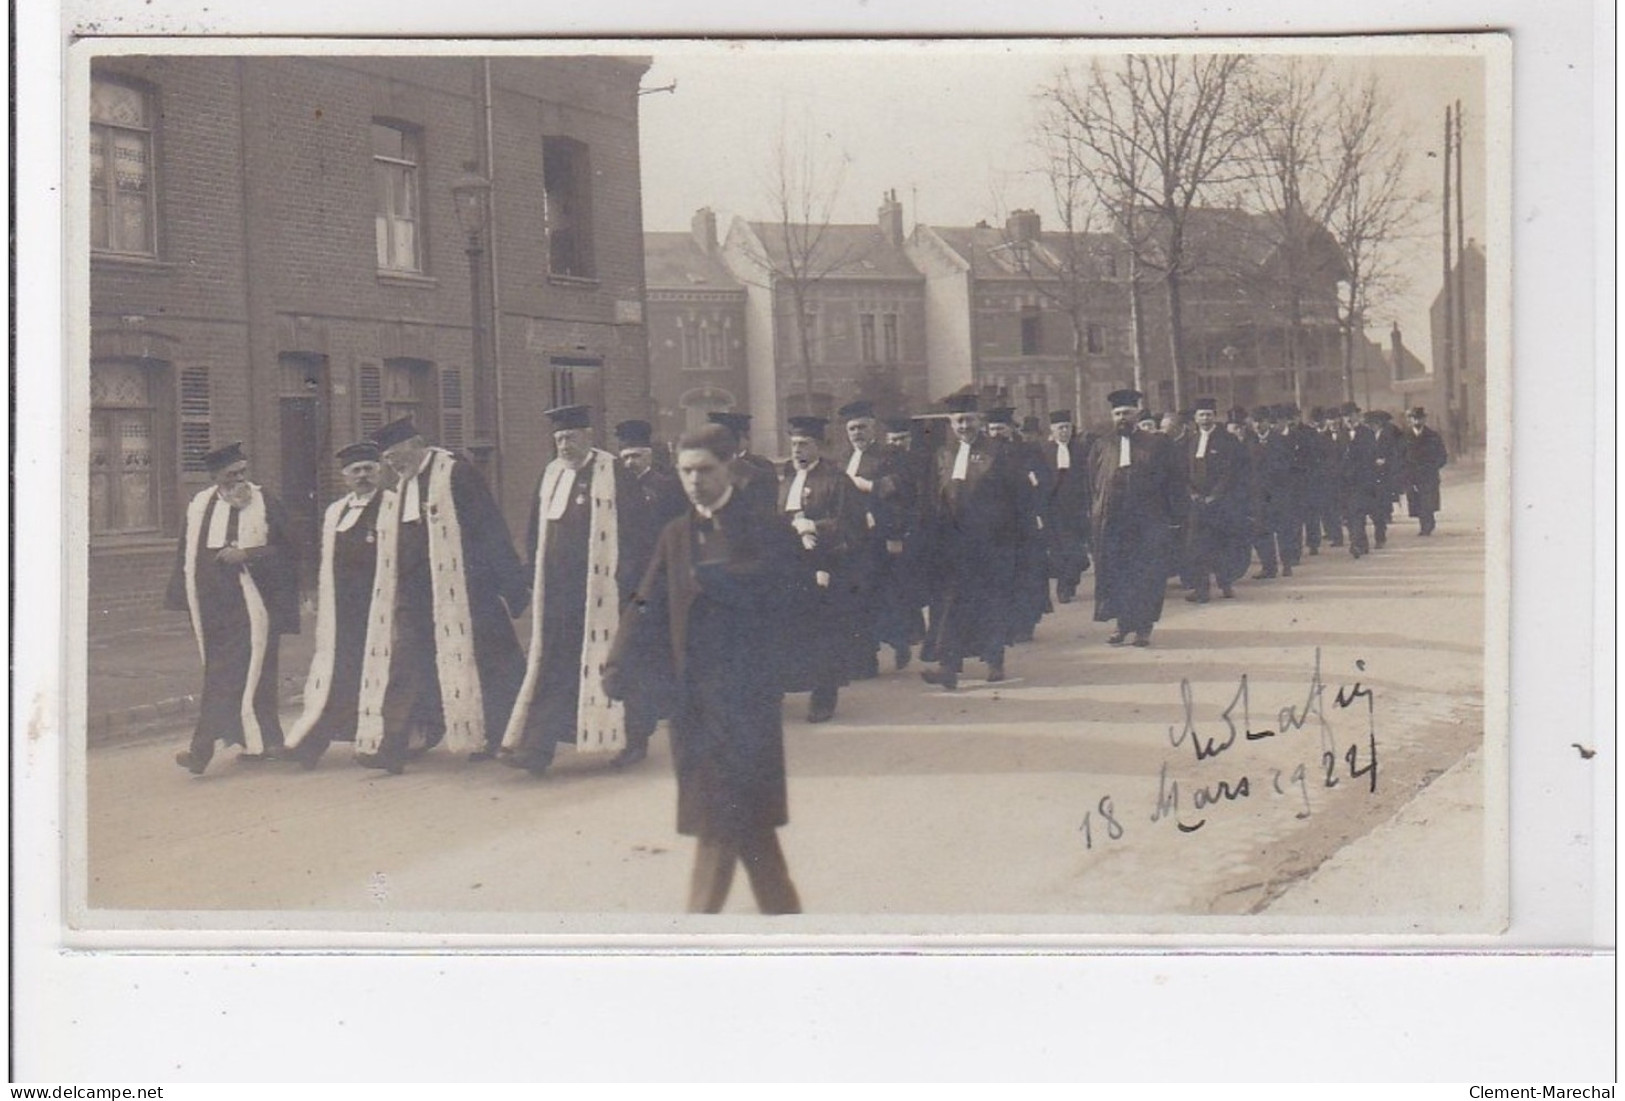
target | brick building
[
  {"x": 865, "y": 318},
  {"x": 276, "y": 258},
  {"x": 1464, "y": 424},
  {"x": 1004, "y": 317},
  {"x": 696, "y": 320}
]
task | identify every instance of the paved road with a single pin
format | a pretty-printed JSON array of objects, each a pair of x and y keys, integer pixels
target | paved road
[{"x": 919, "y": 802}]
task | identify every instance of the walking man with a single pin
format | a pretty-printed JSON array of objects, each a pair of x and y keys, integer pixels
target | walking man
[
  {"x": 235, "y": 574},
  {"x": 708, "y": 622},
  {"x": 1215, "y": 472},
  {"x": 344, "y": 587},
  {"x": 1425, "y": 457}
]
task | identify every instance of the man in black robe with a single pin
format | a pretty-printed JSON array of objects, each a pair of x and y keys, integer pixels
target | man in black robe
[
  {"x": 1389, "y": 445},
  {"x": 586, "y": 542},
  {"x": 1271, "y": 466},
  {"x": 1137, "y": 499},
  {"x": 344, "y": 599},
  {"x": 1424, "y": 457},
  {"x": 979, "y": 513},
  {"x": 1356, "y": 465},
  {"x": 1067, "y": 510},
  {"x": 660, "y": 500},
  {"x": 825, "y": 510},
  {"x": 886, "y": 492},
  {"x": 235, "y": 573},
  {"x": 442, "y": 660},
  {"x": 1215, "y": 472},
  {"x": 1031, "y": 600},
  {"x": 709, "y": 622}
]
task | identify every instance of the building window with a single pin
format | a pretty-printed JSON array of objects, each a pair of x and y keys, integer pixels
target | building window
[
  {"x": 1032, "y": 331},
  {"x": 892, "y": 346},
  {"x": 1094, "y": 335},
  {"x": 567, "y": 206},
  {"x": 123, "y": 425},
  {"x": 122, "y": 199},
  {"x": 397, "y": 154},
  {"x": 866, "y": 337},
  {"x": 711, "y": 347}
]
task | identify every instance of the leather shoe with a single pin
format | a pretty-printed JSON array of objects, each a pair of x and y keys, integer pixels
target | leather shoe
[
  {"x": 820, "y": 714},
  {"x": 1229, "y": 593},
  {"x": 1142, "y": 638},
  {"x": 1117, "y": 638},
  {"x": 901, "y": 657},
  {"x": 1196, "y": 598},
  {"x": 483, "y": 755},
  {"x": 391, "y": 765},
  {"x": 995, "y": 672},
  {"x": 1286, "y": 571},
  {"x": 190, "y": 763},
  {"x": 1263, "y": 575},
  {"x": 945, "y": 678}
]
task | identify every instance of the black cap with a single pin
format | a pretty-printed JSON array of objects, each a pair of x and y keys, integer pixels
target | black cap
[
  {"x": 569, "y": 416},
  {"x": 1002, "y": 414},
  {"x": 899, "y": 424},
  {"x": 1147, "y": 415},
  {"x": 635, "y": 433},
  {"x": 1317, "y": 414},
  {"x": 1124, "y": 399},
  {"x": 1210, "y": 404},
  {"x": 1348, "y": 409},
  {"x": 1238, "y": 414},
  {"x": 737, "y": 423},
  {"x": 1418, "y": 413},
  {"x": 395, "y": 432},
  {"x": 364, "y": 451},
  {"x": 1060, "y": 416},
  {"x": 1031, "y": 424},
  {"x": 962, "y": 401},
  {"x": 854, "y": 410},
  {"x": 1263, "y": 413},
  {"x": 808, "y": 428},
  {"x": 222, "y": 457}
]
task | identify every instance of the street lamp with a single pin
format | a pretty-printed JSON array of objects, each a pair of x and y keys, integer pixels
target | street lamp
[{"x": 471, "y": 196}]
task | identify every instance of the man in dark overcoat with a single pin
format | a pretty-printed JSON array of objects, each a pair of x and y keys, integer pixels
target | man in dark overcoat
[
  {"x": 1137, "y": 503},
  {"x": 1067, "y": 510},
  {"x": 1390, "y": 460},
  {"x": 1356, "y": 464},
  {"x": 236, "y": 574},
  {"x": 1214, "y": 466},
  {"x": 1328, "y": 494},
  {"x": 708, "y": 622},
  {"x": 1032, "y": 601},
  {"x": 1424, "y": 458},
  {"x": 1271, "y": 507},
  {"x": 825, "y": 510}
]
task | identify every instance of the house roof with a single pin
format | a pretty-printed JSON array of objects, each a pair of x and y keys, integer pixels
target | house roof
[
  {"x": 843, "y": 251},
  {"x": 675, "y": 261},
  {"x": 991, "y": 255}
]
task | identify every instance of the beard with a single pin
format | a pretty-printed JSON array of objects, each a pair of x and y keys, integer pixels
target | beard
[{"x": 238, "y": 496}]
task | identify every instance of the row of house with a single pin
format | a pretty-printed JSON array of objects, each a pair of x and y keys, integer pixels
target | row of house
[{"x": 1044, "y": 319}]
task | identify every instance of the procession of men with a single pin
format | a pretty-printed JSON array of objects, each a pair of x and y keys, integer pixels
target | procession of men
[{"x": 703, "y": 597}]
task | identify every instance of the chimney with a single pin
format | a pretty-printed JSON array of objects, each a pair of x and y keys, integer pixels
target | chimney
[
  {"x": 891, "y": 219},
  {"x": 1023, "y": 226},
  {"x": 1397, "y": 341},
  {"x": 704, "y": 228}
]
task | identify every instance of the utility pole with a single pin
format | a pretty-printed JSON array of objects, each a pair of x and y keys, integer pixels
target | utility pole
[{"x": 1449, "y": 365}]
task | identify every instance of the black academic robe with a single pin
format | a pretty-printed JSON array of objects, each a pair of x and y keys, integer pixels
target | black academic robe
[
  {"x": 889, "y": 515},
  {"x": 355, "y": 560},
  {"x": 977, "y": 526},
  {"x": 1066, "y": 512},
  {"x": 223, "y": 619},
  {"x": 834, "y": 628},
  {"x": 1217, "y": 485},
  {"x": 711, "y": 621},
  {"x": 1133, "y": 518},
  {"x": 757, "y": 480}
]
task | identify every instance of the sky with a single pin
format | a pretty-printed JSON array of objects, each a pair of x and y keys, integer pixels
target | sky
[{"x": 948, "y": 125}]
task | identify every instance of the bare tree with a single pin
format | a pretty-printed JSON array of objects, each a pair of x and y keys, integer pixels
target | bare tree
[
  {"x": 1374, "y": 212},
  {"x": 798, "y": 251},
  {"x": 1162, "y": 134},
  {"x": 1298, "y": 178}
]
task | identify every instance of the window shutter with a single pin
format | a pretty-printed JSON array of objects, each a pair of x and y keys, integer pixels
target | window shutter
[
  {"x": 194, "y": 418},
  {"x": 369, "y": 391},
  {"x": 451, "y": 408}
]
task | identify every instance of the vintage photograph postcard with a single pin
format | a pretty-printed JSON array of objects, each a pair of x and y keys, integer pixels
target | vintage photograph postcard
[{"x": 612, "y": 494}]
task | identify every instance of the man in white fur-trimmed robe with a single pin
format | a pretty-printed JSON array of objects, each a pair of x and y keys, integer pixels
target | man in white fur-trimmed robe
[
  {"x": 235, "y": 573},
  {"x": 583, "y": 531},
  {"x": 441, "y": 658},
  {"x": 344, "y": 585}
]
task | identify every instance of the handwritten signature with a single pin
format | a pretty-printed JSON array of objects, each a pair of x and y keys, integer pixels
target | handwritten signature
[{"x": 1338, "y": 762}]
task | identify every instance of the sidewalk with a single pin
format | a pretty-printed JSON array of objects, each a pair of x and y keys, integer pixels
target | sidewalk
[{"x": 140, "y": 680}]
